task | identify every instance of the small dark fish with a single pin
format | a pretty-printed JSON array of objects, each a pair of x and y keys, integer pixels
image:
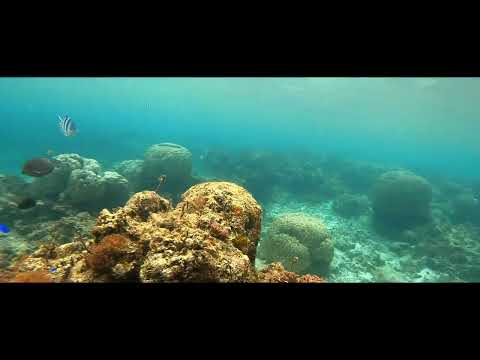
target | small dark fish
[
  {"x": 161, "y": 181},
  {"x": 53, "y": 269},
  {"x": 38, "y": 167},
  {"x": 67, "y": 126},
  {"x": 26, "y": 203},
  {"x": 4, "y": 229}
]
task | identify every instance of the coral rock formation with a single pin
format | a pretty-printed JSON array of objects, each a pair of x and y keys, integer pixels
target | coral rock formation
[
  {"x": 81, "y": 183},
  {"x": 88, "y": 190},
  {"x": 210, "y": 236},
  {"x": 401, "y": 199},
  {"x": 168, "y": 159},
  {"x": 300, "y": 242},
  {"x": 132, "y": 170},
  {"x": 52, "y": 185}
]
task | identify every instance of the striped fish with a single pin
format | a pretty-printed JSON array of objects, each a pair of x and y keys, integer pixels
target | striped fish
[{"x": 67, "y": 126}]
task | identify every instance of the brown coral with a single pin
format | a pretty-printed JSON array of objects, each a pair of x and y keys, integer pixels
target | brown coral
[{"x": 106, "y": 254}]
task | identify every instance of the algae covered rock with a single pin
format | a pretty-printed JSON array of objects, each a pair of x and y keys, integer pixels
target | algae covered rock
[
  {"x": 300, "y": 242},
  {"x": 401, "y": 199}
]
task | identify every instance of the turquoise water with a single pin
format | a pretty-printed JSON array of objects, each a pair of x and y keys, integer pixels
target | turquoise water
[
  {"x": 295, "y": 143},
  {"x": 416, "y": 122}
]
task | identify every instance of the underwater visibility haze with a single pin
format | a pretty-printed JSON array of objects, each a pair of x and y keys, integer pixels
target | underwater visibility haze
[{"x": 240, "y": 180}]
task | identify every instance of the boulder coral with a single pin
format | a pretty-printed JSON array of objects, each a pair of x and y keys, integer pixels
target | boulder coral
[
  {"x": 132, "y": 170},
  {"x": 172, "y": 160},
  {"x": 81, "y": 183},
  {"x": 401, "y": 199},
  {"x": 300, "y": 242},
  {"x": 55, "y": 183},
  {"x": 88, "y": 190},
  {"x": 210, "y": 236}
]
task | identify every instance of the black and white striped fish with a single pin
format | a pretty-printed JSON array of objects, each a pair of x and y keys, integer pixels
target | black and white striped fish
[{"x": 67, "y": 126}]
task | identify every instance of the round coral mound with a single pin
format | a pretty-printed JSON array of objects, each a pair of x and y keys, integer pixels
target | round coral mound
[
  {"x": 172, "y": 160},
  {"x": 300, "y": 242},
  {"x": 401, "y": 199}
]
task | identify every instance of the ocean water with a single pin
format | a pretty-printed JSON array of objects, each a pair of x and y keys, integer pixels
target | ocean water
[{"x": 428, "y": 126}]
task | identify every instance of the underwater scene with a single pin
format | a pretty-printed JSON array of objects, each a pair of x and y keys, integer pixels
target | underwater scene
[{"x": 256, "y": 180}]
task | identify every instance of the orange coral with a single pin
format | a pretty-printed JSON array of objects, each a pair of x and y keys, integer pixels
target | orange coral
[
  {"x": 32, "y": 277},
  {"x": 104, "y": 256},
  {"x": 276, "y": 273}
]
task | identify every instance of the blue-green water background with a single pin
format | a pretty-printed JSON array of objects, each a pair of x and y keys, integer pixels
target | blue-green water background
[{"x": 430, "y": 125}]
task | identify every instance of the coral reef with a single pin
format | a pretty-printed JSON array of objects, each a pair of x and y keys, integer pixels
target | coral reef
[
  {"x": 401, "y": 199},
  {"x": 300, "y": 242},
  {"x": 30, "y": 233},
  {"x": 211, "y": 233},
  {"x": 260, "y": 172},
  {"x": 210, "y": 236},
  {"x": 349, "y": 205}
]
